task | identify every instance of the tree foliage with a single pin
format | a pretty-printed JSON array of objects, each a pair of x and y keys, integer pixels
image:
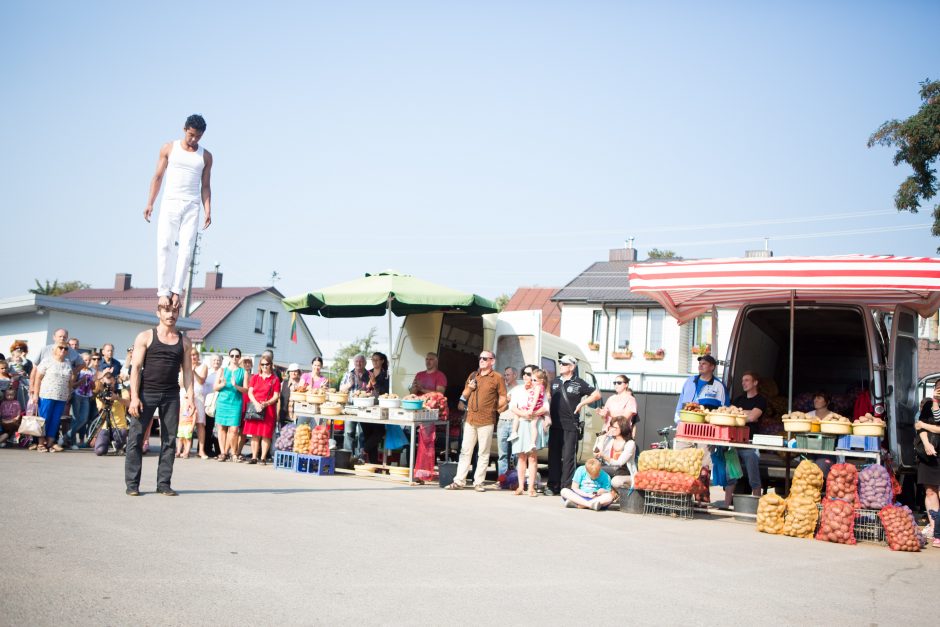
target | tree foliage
[
  {"x": 501, "y": 301},
  {"x": 364, "y": 345},
  {"x": 917, "y": 140},
  {"x": 655, "y": 253},
  {"x": 57, "y": 289}
]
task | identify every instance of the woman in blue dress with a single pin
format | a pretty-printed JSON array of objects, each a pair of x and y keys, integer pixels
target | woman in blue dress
[{"x": 230, "y": 385}]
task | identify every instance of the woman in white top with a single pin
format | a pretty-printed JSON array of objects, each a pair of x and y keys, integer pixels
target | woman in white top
[
  {"x": 616, "y": 451},
  {"x": 213, "y": 369},
  {"x": 200, "y": 370}
]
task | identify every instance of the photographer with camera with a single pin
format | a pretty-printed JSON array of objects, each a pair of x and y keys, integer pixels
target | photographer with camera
[{"x": 112, "y": 409}]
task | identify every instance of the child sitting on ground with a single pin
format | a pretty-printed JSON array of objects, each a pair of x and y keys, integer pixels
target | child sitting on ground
[
  {"x": 590, "y": 487},
  {"x": 10, "y": 414},
  {"x": 535, "y": 402}
]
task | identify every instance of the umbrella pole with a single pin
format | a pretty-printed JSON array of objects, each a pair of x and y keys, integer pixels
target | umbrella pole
[
  {"x": 792, "y": 320},
  {"x": 390, "y": 343}
]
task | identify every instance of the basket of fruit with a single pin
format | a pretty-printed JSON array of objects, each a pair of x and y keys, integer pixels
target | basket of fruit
[
  {"x": 389, "y": 401},
  {"x": 692, "y": 412},
  {"x": 331, "y": 409},
  {"x": 834, "y": 424},
  {"x": 797, "y": 422},
  {"x": 869, "y": 425}
]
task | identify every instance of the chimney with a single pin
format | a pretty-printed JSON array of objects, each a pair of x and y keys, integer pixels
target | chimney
[
  {"x": 122, "y": 282},
  {"x": 213, "y": 280},
  {"x": 627, "y": 253}
]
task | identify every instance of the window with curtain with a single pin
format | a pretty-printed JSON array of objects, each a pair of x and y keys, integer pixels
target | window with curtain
[
  {"x": 702, "y": 330},
  {"x": 259, "y": 321},
  {"x": 654, "y": 329},
  {"x": 624, "y": 320},
  {"x": 272, "y": 328},
  {"x": 596, "y": 327}
]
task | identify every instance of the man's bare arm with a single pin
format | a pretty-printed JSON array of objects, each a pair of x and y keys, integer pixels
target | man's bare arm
[
  {"x": 188, "y": 377},
  {"x": 207, "y": 189},
  {"x": 157, "y": 179},
  {"x": 137, "y": 362}
]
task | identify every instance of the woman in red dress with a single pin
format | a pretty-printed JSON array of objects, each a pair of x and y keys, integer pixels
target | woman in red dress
[{"x": 264, "y": 393}]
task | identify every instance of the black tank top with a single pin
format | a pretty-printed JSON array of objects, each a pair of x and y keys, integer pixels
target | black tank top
[{"x": 161, "y": 366}]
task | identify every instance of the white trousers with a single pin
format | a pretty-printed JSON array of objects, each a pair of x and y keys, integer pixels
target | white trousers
[
  {"x": 176, "y": 230},
  {"x": 471, "y": 436}
]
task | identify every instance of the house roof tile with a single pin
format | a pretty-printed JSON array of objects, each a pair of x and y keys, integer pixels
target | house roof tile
[
  {"x": 529, "y": 298},
  {"x": 602, "y": 282}
]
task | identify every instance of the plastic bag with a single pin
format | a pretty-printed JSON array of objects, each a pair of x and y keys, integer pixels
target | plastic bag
[
  {"x": 838, "y": 522},
  {"x": 733, "y": 465},
  {"x": 302, "y": 439},
  {"x": 900, "y": 529},
  {"x": 320, "y": 441},
  {"x": 719, "y": 473},
  {"x": 687, "y": 460},
  {"x": 424, "y": 460},
  {"x": 285, "y": 441},
  {"x": 807, "y": 480},
  {"x": 874, "y": 487},
  {"x": 842, "y": 483},
  {"x": 771, "y": 510},
  {"x": 801, "y": 516},
  {"x": 395, "y": 438},
  {"x": 662, "y": 481},
  {"x": 32, "y": 425}
]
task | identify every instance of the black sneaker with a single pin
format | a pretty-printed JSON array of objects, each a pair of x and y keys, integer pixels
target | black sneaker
[
  {"x": 132, "y": 492},
  {"x": 167, "y": 491}
]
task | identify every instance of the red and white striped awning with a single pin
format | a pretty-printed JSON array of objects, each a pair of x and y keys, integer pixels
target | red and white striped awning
[{"x": 688, "y": 289}]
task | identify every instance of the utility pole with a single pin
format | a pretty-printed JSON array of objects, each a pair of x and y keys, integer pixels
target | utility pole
[{"x": 192, "y": 270}]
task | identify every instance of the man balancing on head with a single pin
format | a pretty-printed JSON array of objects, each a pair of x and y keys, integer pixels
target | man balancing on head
[
  {"x": 187, "y": 166},
  {"x": 159, "y": 354}
]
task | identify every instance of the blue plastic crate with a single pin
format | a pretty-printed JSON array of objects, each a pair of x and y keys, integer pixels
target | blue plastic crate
[
  {"x": 314, "y": 465},
  {"x": 868, "y": 443},
  {"x": 285, "y": 460}
]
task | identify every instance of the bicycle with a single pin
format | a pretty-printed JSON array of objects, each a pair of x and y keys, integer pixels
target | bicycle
[{"x": 667, "y": 433}]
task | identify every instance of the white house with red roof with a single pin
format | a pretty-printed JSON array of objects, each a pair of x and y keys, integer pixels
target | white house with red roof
[{"x": 250, "y": 318}]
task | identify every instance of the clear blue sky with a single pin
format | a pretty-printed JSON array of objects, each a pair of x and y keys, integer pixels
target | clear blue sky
[{"x": 483, "y": 145}]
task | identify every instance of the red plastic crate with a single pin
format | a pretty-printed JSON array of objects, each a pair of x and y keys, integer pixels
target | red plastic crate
[{"x": 716, "y": 433}]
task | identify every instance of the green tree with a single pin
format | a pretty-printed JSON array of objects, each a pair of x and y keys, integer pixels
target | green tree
[
  {"x": 918, "y": 144},
  {"x": 656, "y": 253},
  {"x": 501, "y": 301},
  {"x": 343, "y": 356},
  {"x": 56, "y": 289}
]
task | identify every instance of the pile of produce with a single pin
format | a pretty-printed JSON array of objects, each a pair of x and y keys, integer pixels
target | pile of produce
[
  {"x": 731, "y": 410},
  {"x": 770, "y": 513},
  {"x": 834, "y": 417},
  {"x": 699, "y": 409},
  {"x": 685, "y": 461},
  {"x": 361, "y": 394},
  {"x": 797, "y": 415},
  {"x": 868, "y": 419},
  {"x": 805, "y": 493},
  {"x": 843, "y": 483},
  {"x": 838, "y": 521},
  {"x": 663, "y": 481},
  {"x": 900, "y": 529},
  {"x": 390, "y": 396},
  {"x": 807, "y": 480},
  {"x": 320, "y": 441},
  {"x": 285, "y": 441},
  {"x": 874, "y": 487},
  {"x": 302, "y": 439},
  {"x": 436, "y": 400}
]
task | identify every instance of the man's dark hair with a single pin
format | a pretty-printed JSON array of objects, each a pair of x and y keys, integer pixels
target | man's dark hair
[{"x": 196, "y": 122}]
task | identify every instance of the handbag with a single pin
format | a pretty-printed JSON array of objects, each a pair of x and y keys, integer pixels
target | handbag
[
  {"x": 209, "y": 403},
  {"x": 33, "y": 425},
  {"x": 253, "y": 414}
]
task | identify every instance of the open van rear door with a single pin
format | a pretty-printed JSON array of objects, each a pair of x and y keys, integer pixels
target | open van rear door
[
  {"x": 902, "y": 385},
  {"x": 518, "y": 339}
]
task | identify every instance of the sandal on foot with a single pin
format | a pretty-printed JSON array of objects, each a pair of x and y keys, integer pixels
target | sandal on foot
[
  {"x": 42, "y": 448},
  {"x": 222, "y": 458},
  {"x": 518, "y": 491},
  {"x": 454, "y": 486},
  {"x": 533, "y": 493}
]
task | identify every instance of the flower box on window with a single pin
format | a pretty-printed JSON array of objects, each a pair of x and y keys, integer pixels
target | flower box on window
[
  {"x": 594, "y": 346},
  {"x": 627, "y": 354},
  {"x": 702, "y": 349},
  {"x": 657, "y": 355}
]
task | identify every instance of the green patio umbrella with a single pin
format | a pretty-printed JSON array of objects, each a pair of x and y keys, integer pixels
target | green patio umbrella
[{"x": 387, "y": 292}]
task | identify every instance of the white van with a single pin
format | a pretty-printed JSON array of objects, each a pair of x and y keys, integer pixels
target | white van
[
  {"x": 837, "y": 347},
  {"x": 515, "y": 337}
]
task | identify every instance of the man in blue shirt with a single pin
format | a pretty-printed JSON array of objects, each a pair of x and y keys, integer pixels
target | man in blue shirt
[{"x": 704, "y": 388}]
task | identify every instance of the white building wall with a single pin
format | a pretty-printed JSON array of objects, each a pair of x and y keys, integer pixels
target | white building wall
[
  {"x": 238, "y": 329},
  {"x": 30, "y": 327}
]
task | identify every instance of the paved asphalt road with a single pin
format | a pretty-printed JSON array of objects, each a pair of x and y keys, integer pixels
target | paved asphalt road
[{"x": 253, "y": 546}]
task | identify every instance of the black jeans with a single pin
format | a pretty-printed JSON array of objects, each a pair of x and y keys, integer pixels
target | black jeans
[
  {"x": 373, "y": 436},
  {"x": 562, "y": 456},
  {"x": 168, "y": 403},
  {"x": 211, "y": 445}
]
